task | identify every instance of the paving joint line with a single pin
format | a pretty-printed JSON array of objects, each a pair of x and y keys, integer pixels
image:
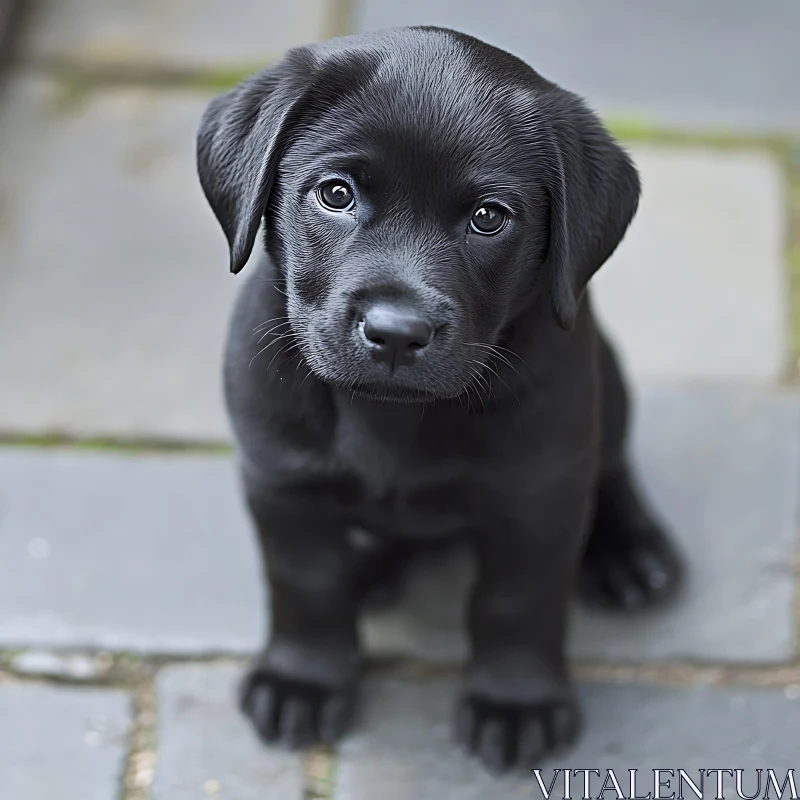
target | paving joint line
[
  {"x": 129, "y": 671},
  {"x": 140, "y": 763},
  {"x": 340, "y": 18},
  {"x": 87, "y": 75},
  {"x": 319, "y": 773},
  {"x": 125, "y": 444},
  {"x": 791, "y": 171}
]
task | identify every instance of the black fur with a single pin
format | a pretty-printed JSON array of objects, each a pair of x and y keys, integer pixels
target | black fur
[{"x": 507, "y": 429}]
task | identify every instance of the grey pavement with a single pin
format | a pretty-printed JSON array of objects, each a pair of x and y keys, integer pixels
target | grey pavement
[
  {"x": 208, "y": 749},
  {"x": 131, "y": 553},
  {"x": 709, "y": 232},
  {"x": 165, "y": 542},
  {"x": 719, "y": 64},
  {"x": 113, "y": 285},
  {"x": 60, "y": 742},
  {"x": 404, "y": 749},
  {"x": 174, "y": 33}
]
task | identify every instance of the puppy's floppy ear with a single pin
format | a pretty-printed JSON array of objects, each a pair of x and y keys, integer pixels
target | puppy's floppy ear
[
  {"x": 239, "y": 146},
  {"x": 594, "y": 192}
]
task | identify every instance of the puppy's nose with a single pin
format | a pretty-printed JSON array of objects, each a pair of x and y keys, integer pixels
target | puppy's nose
[{"x": 396, "y": 333}]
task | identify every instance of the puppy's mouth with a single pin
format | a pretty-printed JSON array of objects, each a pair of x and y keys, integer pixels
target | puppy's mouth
[
  {"x": 393, "y": 391},
  {"x": 387, "y": 393}
]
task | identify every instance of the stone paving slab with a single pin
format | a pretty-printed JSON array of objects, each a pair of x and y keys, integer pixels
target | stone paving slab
[
  {"x": 404, "y": 748},
  {"x": 206, "y": 748},
  {"x": 114, "y": 289},
  {"x": 719, "y": 64},
  {"x": 58, "y": 742},
  {"x": 698, "y": 289},
  {"x": 146, "y": 554},
  {"x": 154, "y": 553},
  {"x": 722, "y": 470},
  {"x": 205, "y": 33}
]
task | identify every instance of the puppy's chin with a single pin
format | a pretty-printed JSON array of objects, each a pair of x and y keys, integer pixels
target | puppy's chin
[
  {"x": 388, "y": 390},
  {"x": 402, "y": 394},
  {"x": 392, "y": 392}
]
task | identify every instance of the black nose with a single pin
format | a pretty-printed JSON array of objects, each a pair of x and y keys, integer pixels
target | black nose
[{"x": 396, "y": 333}]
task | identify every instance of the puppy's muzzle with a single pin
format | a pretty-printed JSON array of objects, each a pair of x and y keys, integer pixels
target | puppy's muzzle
[{"x": 394, "y": 333}]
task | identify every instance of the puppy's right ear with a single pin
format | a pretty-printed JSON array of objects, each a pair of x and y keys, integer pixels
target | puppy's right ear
[{"x": 240, "y": 143}]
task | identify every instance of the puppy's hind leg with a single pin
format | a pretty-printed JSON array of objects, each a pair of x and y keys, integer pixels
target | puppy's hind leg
[{"x": 630, "y": 561}]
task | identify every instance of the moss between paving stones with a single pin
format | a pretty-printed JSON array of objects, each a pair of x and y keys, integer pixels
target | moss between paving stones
[
  {"x": 320, "y": 774},
  {"x": 111, "y": 444},
  {"x": 792, "y": 167},
  {"x": 633, "y": 130}
]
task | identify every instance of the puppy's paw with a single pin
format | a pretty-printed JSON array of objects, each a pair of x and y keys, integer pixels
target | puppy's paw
[
  {"x": 508, "y": 735},
  {"x": 294, "y": 713},
  {"x": 630, "y": 570}
]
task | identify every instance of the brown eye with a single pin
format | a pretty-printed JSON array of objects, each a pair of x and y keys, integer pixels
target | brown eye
[
  {"x": 488, "y": 220},
  {"x": 336, "y": 196}
]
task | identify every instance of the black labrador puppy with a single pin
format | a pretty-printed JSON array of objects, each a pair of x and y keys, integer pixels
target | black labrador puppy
[{"x": 414, "y": 356}]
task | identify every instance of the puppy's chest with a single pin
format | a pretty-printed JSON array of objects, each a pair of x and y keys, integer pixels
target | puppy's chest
[{"x": 406, "y": 484}]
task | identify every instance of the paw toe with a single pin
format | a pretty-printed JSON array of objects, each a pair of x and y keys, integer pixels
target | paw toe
[
  {"x": 293, "y": 713},
  {"x": 506, "y": 735},
  {"x": 630, "y": 575}
]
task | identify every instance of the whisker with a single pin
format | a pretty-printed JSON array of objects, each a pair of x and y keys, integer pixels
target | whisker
[
  {"x": 267, "y": 322},
  {"x": 493, "y": 370},
  {"x": 282, "y": 350},
  {"x": 490, "y": 395},
  {"x": 263, "y": 349},
  {"x": 506, "y": 350},
  {"x": 267, "y": 333},
  {"x": 492, "y": 349},
  {"x": 477, "y": 393},
  {"x": 275, "y": 339},
  {"x": 478, "y": 374}
]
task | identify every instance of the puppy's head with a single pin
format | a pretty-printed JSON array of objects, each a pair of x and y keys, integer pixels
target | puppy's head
[{"x": 419, "y": 190}]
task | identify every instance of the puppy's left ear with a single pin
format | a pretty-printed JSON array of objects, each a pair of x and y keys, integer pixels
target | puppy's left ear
[
  {"x": 594, "y": 192},
  {"x": 239, "y": 146}
]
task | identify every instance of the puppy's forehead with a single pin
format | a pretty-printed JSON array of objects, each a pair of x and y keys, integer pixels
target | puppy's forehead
[
  {"x": 434, "y": 108},
  {"x": 445, "y": 94}
]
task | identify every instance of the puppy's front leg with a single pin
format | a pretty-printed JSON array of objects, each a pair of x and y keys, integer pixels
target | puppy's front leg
[
  {"x": 302, "y": 689},
  {"x": 518, "y": 703}
]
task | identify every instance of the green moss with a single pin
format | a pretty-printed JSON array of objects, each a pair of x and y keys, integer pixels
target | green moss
[
  {"x": 110, "y": 444},
  {"x": 633, "y": 130},
  {"x": 340, "y": 18},
  {"x": 224, "y": 79},
  {"x": 792, "y": 170},
  {"x": 76, "y": 80},
  {"x": 320, "y": 770}
]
